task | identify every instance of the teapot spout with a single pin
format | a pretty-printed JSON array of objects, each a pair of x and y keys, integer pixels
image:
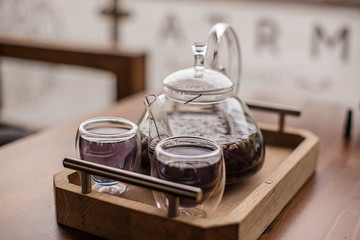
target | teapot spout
[{"x": 159, "y": 127}]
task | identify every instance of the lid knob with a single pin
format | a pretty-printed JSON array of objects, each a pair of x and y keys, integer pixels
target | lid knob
[{"x": 199, "y": 51}]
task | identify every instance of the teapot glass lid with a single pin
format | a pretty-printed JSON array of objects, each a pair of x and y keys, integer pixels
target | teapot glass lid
[{"x": 198, "y": 84}]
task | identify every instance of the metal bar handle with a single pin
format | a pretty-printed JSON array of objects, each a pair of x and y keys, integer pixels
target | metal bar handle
[
  {"x": 175, "y": 190},
  {"x": 282, "y": 110}
]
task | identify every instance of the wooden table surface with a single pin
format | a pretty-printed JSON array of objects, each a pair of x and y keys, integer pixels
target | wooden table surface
[{"x": 327, "y": 207}]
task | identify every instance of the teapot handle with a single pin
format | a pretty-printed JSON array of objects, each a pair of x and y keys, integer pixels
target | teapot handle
[{"x": 233, "y": 67}]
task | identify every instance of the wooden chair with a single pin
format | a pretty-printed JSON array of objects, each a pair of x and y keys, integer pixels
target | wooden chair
[{"x": 128, "y": 67}]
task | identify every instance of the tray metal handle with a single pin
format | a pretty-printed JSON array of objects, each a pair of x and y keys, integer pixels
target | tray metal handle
[
  {"x": 280, "y": 109},
  {"x": 175, "y": 190}
]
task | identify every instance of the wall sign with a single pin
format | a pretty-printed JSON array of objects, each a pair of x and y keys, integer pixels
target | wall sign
[{"x": 291, "y": 49}]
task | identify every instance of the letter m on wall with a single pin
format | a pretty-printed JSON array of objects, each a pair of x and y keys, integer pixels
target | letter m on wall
[{"x": 339, "y": 38}]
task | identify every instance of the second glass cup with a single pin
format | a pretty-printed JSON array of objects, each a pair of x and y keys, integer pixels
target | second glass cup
[
  {"x": 110, "y": 141},
  {"x": 193, "y": 161}
]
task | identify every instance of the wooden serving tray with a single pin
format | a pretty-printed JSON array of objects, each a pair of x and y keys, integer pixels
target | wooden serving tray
[{"x": 244, "y": 212}]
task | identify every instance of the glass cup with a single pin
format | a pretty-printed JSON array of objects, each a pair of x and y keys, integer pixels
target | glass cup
[
  {"x": 193, "y": 161},
  {"x": 110, "y": 141}
]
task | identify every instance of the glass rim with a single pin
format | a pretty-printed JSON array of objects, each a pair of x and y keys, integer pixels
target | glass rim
[
  {"x": 111, "y": 136},
  {"x": 160, "y": 150}
]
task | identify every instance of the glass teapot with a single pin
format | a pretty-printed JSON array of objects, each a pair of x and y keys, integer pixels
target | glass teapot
[{"x": 202, "y": 101}]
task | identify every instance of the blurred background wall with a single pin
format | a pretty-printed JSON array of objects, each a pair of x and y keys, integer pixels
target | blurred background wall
[{"x": 291, "y": 50}]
